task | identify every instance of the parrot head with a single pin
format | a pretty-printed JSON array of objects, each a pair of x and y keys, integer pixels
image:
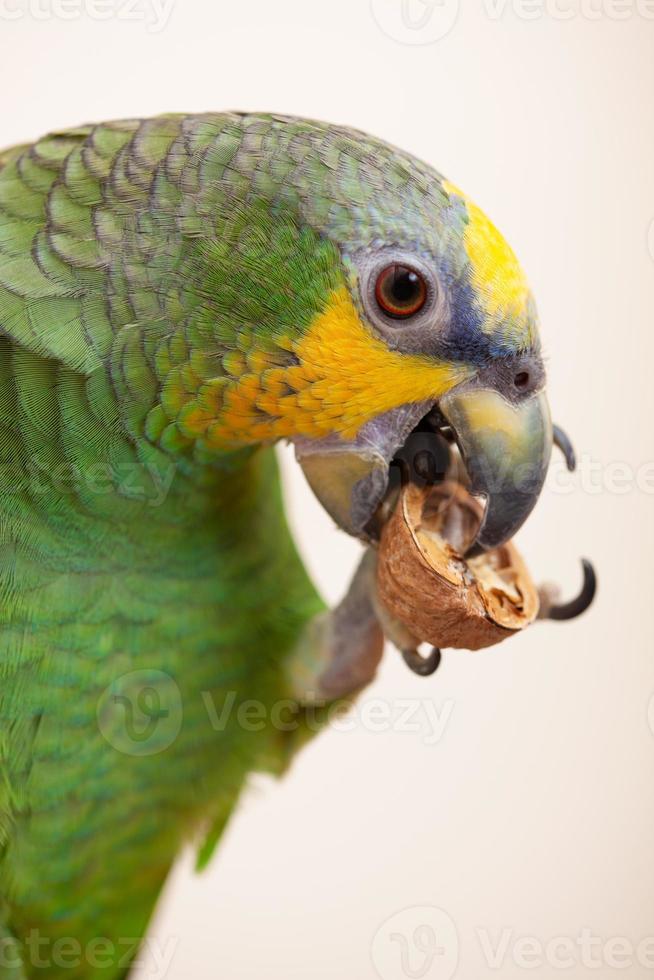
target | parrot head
[
  {"x": 383, "y": 303},
  {"x": 436, "y": 328}
]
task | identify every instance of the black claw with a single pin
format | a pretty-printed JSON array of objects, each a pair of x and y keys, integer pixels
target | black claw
[
  {"x": 422, "y": 665},
  {"x": 569, "y": 610},
  {"x": 562, "y": 441}
]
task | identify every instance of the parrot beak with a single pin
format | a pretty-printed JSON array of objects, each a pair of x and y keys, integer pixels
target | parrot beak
[
  {"x": 505, "y": 442},
  {"x": 350, "y": 478},
  {"x": 506, "y": 448}
]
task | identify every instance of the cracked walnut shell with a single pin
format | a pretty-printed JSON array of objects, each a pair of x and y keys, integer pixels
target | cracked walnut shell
[{"x": 438, "y": 596}]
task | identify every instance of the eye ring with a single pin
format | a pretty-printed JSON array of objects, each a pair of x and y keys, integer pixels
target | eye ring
[{"x": 400, "y": 291}]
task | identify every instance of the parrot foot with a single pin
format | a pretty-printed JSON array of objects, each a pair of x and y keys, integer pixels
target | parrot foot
[
  {"x": 551, "y": 608},
  {"x": 339, "y": 651}
]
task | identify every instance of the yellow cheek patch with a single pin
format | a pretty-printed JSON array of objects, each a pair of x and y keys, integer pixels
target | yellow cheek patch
[
  {"x": 345, "y": 377},
  {"x": 497, "y": 275}
]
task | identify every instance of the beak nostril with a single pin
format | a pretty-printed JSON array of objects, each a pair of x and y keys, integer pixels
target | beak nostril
[{"x": 521, "y": 379}]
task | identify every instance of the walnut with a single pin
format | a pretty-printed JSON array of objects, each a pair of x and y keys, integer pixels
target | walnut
[{"x": 439, "y": 597}]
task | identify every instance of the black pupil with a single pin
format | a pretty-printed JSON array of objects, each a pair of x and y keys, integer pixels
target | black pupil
[{"x": 404, "y": 286}]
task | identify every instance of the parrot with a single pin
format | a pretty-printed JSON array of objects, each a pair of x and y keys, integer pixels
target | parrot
[{"x": 178, "y": 294}]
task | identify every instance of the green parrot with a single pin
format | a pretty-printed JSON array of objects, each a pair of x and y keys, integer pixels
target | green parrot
[{"x": 178, "y": 294}]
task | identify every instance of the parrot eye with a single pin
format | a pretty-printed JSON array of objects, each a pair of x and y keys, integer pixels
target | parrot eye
[
  {"x": 400, "y": 291},
  {"x": 401, "y": 296}
]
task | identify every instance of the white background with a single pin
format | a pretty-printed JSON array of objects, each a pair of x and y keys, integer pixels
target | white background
[{"x": 533, "y": 813}]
